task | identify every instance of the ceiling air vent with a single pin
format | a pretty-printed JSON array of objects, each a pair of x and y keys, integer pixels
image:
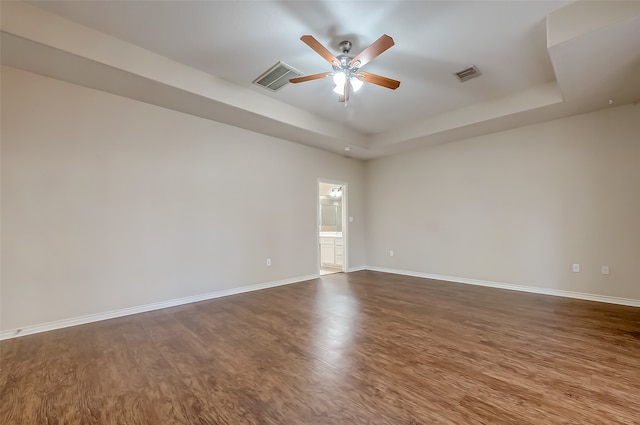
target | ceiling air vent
[
  {"x": 277, "y": 76},
  {"x": 467, "y": 74}
]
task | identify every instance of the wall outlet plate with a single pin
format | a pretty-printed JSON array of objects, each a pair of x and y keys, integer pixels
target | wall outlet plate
[
  {"x": 268, "y": 262},
  {"x": 576, "y": 268},
  {"x": 605, "y": 269}
]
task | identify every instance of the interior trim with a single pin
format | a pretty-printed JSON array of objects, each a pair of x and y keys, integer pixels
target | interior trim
[
  {"x": 81, "y": 320},
  {"x": 74, "y": 321},
  {"x": 513, "y": 287},
  {"x": 357, "y": 269}
]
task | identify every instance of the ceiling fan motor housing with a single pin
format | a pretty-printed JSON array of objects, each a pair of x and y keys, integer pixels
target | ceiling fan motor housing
[
  {"x": 345, "y": 66},
  {"x": 344, "y": 60}
]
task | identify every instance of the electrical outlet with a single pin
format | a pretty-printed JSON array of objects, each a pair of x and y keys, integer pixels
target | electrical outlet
[
  {"x": 391, "y": 253},
  {"x": 605, "y": 269},
  {"x": 268, "y": 262},
  {"x": 576, "y": 268}
]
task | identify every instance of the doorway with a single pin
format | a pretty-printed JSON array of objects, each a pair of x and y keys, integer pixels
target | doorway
[{"x": 332, "y": 229}]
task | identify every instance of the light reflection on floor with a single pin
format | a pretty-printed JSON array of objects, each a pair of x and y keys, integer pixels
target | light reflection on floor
[{"x": 337, "y": 309}]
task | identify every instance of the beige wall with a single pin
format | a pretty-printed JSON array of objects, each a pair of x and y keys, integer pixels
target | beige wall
[
  {"x": 517, "y": 207},
  {"x": 109, "y": 203}
]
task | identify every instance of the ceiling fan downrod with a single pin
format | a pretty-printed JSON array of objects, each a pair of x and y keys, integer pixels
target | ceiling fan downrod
[{"x": 345, "y": 46}]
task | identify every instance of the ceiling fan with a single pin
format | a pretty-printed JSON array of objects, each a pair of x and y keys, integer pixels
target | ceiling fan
[{"x": 346, "y": 69}]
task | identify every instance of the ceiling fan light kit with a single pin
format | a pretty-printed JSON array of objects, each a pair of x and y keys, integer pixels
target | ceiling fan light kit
[
  {"x": 340, "y": 79},
  {"x": 346, "y": 69}
]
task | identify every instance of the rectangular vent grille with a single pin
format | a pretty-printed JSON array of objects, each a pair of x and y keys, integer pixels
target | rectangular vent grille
[
  {"x": 469, "y": 73},
  {"x": 277, "y": 76}
]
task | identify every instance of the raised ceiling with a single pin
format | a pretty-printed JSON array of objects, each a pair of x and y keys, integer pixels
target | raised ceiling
[{"x": 539, "y": 61}]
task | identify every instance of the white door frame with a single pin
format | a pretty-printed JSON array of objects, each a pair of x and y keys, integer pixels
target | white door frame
[{"x": 345, "y": 221}]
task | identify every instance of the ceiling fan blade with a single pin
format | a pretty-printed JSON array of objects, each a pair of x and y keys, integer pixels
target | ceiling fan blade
[
  {"x": 375, "y": 49},
  {"x": 310, "y": 77},
  {"x": 367, "y": 77},
  {"x": 319, "y": 49}
]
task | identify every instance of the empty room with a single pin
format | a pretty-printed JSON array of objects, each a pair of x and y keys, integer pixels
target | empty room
[{"x": 320, "y": 212}]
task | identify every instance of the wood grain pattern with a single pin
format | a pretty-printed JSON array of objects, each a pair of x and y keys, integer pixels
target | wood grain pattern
[
  {"x": 310, "y": 77},
  {"x": 310, "y": 41},
  {"x": 368, "y": 77},
  {"x": 358, "y": 348},
  {"x": 374, "y": 50}
]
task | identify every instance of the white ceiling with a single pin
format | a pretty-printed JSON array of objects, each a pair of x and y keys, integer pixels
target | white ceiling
[{"x": 531, "y": 70}]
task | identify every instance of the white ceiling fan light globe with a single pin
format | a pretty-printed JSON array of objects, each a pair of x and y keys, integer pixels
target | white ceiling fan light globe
[
  {"x": 355, "y": 84},
  {"x": 339, "y": 78}
]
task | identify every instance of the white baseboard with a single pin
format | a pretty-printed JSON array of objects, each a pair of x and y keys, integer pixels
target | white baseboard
[
  {"x": 356, "y": 269},
  {"x": 74, "y": 321},
  {"x": 513, "y": 287}
]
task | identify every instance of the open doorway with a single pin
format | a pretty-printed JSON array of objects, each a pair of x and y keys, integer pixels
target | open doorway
[{"x": 332, "y": 232}]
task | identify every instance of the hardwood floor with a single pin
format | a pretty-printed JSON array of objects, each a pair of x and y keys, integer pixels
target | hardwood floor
[{"x": 357, "y": 348}]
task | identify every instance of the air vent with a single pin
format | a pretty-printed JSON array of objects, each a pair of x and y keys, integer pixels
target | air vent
[
  {"x": 277, "y": 76},
  {"x": 469, "y": 73}
]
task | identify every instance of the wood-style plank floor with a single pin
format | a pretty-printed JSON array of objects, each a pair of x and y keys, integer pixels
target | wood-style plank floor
[{"x": 358, "y": 348}]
